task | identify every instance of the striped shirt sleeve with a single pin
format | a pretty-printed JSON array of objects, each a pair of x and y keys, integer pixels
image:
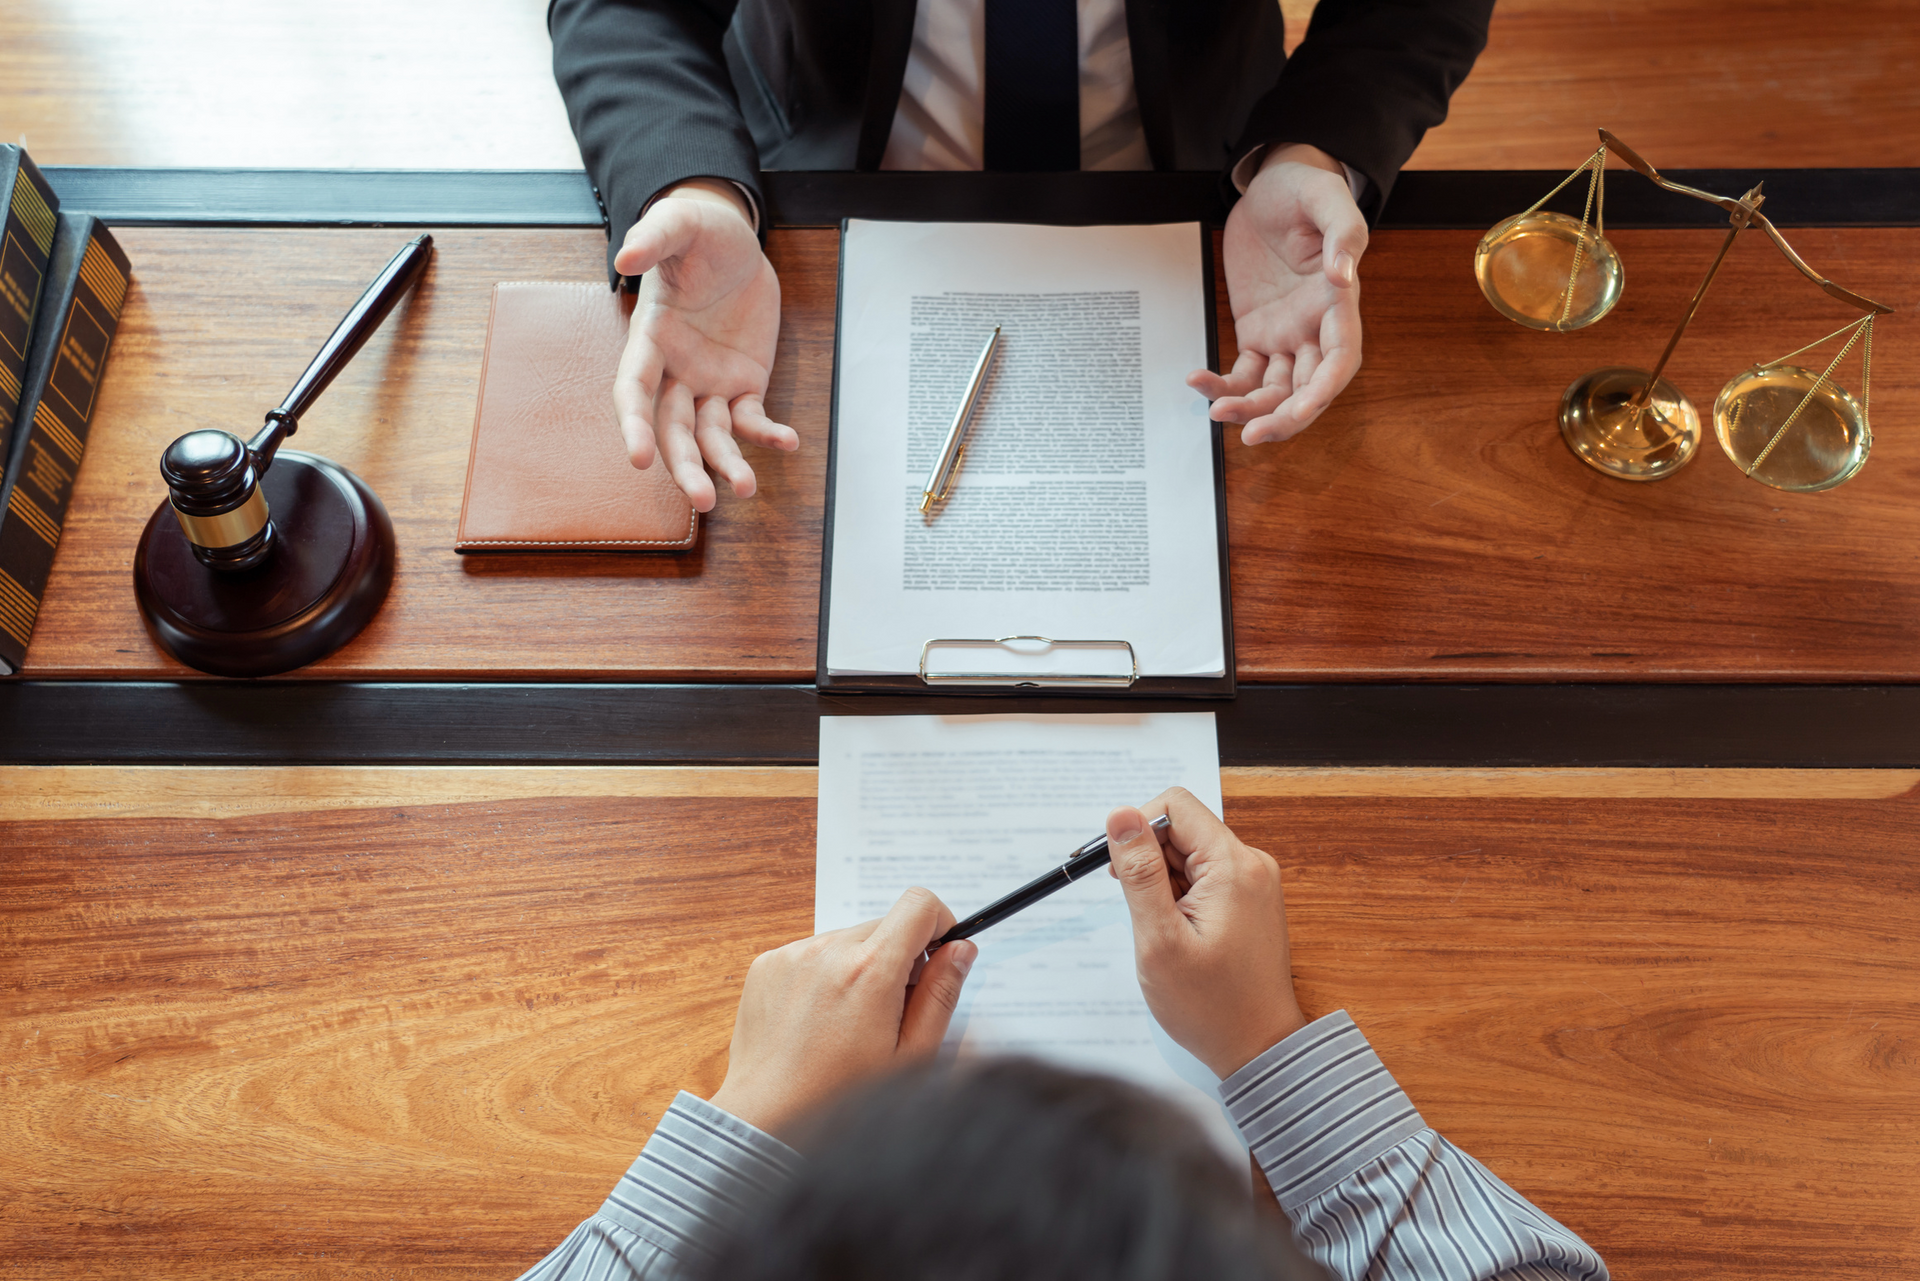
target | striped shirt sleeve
[
  {"x": 695, "y": 1174},
  {"x": 1372, "y": 1191}
]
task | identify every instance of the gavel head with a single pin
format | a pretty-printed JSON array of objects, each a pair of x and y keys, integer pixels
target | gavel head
[{"x": 213, "y": 482}]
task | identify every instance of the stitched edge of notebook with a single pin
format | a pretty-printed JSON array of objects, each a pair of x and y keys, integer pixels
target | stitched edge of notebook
[{"x": 572, "y": 542}]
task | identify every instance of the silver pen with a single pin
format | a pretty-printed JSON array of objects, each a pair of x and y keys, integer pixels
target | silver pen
[{"x": 940, "y": 479}]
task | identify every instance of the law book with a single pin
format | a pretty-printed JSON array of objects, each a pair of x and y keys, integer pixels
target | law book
[
  {"x": 86, "y": 285},
  {"x": 26, "y": 242}
]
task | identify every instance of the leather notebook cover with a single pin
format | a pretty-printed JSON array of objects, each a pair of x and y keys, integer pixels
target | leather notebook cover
[{"x": 549, "y": 470}]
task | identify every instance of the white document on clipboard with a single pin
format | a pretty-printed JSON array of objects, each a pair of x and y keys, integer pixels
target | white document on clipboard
[
  {"x": 974, "y": 806},
  {"x": 1084, "y": 507}
]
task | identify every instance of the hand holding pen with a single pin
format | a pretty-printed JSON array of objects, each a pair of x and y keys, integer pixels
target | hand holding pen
[
  {"x": 1090, "y": 857},
  {"x": 1210, "y": 945},
  {"x": 1209, "y": 931},
  {"x": 1209, "y": 926},
  {"x": 824, "y": 1012}
]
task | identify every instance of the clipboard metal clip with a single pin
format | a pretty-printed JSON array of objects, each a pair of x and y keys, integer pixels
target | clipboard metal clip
[{"x": 1031, "y": 680}]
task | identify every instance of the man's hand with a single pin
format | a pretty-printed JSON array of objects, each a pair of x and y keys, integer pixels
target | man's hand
[
  {"x": 1209, "y": 932},
  {"x": 1293, "y": 246},
  {"x": 700, "y": 349},
  {"x": 822, "y": 1013}
]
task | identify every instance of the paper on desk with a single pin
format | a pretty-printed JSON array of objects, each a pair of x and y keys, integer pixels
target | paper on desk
[
  {"x": 974, "y": 806},
  {"x": 1084, "y": 507}
]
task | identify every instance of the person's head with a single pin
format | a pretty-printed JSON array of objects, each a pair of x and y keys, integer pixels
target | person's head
[{"x": 1010, "y": 1169}]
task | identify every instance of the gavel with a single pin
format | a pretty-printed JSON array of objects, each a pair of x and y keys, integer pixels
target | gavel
[{"x": 248, "y": 569}]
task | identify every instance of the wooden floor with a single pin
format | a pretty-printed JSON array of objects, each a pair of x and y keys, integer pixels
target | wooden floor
[
  {"x": 466, "y": 84},
  {"x": 414, "y": 1023}
]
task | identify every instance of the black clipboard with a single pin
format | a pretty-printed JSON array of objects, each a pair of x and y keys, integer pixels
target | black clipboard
[{"x": 1221, "y": 687}]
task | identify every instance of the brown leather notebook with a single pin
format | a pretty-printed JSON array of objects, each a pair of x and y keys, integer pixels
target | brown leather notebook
[{"x": 549, "y": 470}]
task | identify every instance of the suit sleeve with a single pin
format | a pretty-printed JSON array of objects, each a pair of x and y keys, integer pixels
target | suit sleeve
[
  {"x": 1368, "y": 81},
  {"x": 650, "y": 99}
]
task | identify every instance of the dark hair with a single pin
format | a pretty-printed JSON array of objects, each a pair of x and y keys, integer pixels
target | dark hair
[{"x": 1010, "y": 1170}]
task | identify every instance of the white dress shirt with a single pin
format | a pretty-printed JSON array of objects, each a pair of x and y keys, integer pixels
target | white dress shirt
[{"x": 941, "y": 120}]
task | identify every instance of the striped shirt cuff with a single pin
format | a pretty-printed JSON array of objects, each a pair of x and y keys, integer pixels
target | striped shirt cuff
[
  {"x": 1317, "y": 1107},
  {"x": 702, "y": 1166}
]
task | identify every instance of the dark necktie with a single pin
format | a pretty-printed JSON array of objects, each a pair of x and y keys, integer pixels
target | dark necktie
[{"x": 1033, "y": 85}]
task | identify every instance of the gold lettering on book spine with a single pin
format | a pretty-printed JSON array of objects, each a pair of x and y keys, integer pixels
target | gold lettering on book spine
[
  {"x": 45, "y": 473},
  {"x": 38, "y": 521},
  {"x": 48, "y": 422},
  {"x": 18, "y": 291},
  {"x": 17, "y": 608},
  {"x": 32, "y": 211},
  {"x": 103, "y": 277}
]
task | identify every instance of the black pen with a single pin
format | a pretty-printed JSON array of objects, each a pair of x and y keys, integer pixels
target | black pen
[{"x": 1094, "y": 854}]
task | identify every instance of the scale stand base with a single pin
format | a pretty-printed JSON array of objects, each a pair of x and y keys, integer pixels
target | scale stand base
[
  {"x": 1598, "y": 423},
  {"x": 329, "y": 572}
]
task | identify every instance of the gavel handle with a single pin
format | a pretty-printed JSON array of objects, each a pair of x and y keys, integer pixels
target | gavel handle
[{"x": 348, "y": 337}]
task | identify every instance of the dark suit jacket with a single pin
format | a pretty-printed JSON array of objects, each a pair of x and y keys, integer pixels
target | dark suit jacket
[{"x": 661, "y": 90}]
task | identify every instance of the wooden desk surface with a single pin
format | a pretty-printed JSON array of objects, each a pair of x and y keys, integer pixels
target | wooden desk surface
[
  {"x": 339, "y": 1022},
  {"x": 1431, "y": 526}
]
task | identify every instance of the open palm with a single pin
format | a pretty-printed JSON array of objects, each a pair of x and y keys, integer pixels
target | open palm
[
  {"x": 693, "y": 377},
  {"x": 1292, "y": 246}
]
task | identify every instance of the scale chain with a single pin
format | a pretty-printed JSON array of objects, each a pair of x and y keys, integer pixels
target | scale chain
[
  {"x": 1598, "y": 164},
  {"x": 1600, "y": 156},
  {"x": 1863, "y": 325},
  {"x": 1866, "y": 378}
]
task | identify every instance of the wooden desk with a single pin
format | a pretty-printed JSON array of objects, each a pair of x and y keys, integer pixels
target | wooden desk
[
  {"x": 1431, "y": 526},
  {"x": 323, "y": 1021},
  {"x": 338, "y": 1022}
]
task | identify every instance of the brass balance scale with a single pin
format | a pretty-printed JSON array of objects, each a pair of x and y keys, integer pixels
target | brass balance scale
[{"x": 1782, "y": 425}]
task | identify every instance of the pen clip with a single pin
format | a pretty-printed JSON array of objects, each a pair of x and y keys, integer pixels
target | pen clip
[{"x": 952, "y": 473}]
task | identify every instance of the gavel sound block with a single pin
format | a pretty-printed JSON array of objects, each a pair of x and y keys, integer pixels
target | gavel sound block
[{"x": 261, "y": 561}]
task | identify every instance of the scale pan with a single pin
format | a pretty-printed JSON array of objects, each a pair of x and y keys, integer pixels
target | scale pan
[
  {"x": 1522, "y": 267},
  {"x": 1826, "y": 446}
]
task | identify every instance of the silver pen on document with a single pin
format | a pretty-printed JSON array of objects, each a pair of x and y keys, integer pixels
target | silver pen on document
[{"x": 940, "y": 479}]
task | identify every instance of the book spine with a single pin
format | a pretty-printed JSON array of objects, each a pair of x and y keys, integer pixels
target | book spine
[
  {"x": 86, "y": 287},
  {"x": 26, "y": 244}
]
